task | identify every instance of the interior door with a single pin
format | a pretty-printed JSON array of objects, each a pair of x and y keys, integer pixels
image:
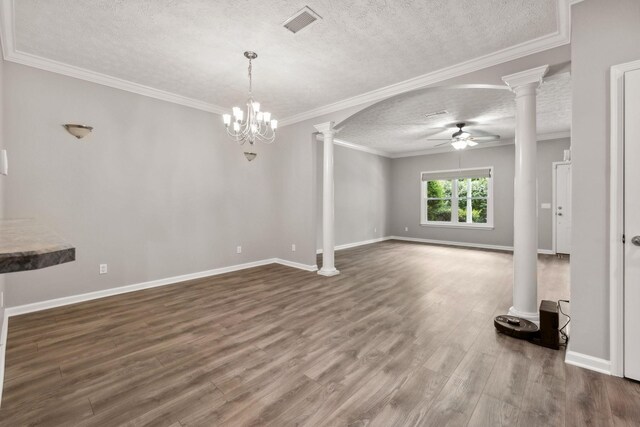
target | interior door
[
  {"x": 632, "y": 224},
  {"x": 563, "y": 208}
]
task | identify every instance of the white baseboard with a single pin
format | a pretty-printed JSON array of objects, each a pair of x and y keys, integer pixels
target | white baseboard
[
  {"x": 59, "y": 302},
  {"x": 465, "y": 244},
  {"x": 588, "y": 362},
  {"x": 305, "y": 267},
  {"x": 354, "y": 244}
]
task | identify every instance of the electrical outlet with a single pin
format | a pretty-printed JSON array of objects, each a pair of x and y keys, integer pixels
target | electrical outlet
[
  {"x": 103, "y": 269},
  {"x": 293, "y": 247},
  {"x": 239, "y": 250},
  {"x": 406, "y": 229}
]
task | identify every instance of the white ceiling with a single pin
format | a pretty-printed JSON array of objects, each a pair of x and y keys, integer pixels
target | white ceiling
[
  {"x": 398, "y": 125},
  {"x": 194, "y": 48}
]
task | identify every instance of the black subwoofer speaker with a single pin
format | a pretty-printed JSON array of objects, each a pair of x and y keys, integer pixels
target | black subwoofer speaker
[{"x": 549, "y": 323}]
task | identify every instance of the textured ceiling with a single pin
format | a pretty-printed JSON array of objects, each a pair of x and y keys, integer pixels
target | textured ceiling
[
  {"x": 194, "y": 47},
  {"x": 398, "y": 124}
]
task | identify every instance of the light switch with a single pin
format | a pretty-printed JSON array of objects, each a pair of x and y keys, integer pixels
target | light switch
[{"x": 4, "y": 163}]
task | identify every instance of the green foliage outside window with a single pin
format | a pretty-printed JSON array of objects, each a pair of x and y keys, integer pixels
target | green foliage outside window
[
  {"x": 439, "y": 199},
  {"x": 439, "y": 205}
]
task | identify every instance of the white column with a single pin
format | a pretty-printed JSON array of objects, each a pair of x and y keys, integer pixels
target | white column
[
  {"x": 328, "y": 216},
  {"x": 525, "y": 221}
]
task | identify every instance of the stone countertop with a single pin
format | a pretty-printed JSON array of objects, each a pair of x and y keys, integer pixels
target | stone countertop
[{"x": 27, "y": 245}]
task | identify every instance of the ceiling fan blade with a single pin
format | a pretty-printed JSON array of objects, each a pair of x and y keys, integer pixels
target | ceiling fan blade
[
  {"x": 485, "y": 138},
  {"x": 444, "y": 143},
  {"x": 439, "y": 139}
]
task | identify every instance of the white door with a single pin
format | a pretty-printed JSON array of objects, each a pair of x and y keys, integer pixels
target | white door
[
  {"x": 632, "y": 224},
  {"x": 563, "y": 208}
]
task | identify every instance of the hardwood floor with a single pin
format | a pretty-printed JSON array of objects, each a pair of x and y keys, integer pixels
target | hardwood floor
[{"x": 403, "y": 336}]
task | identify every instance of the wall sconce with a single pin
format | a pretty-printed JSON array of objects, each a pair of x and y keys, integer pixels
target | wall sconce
[
  {"x": 249, "y": 155},
  {"x": 79, "y": 131}
]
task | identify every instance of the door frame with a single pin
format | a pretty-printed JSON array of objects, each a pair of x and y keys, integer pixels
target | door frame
[
  {"x": 554, "y": 177},
  {"x": 616, "y": 215}
]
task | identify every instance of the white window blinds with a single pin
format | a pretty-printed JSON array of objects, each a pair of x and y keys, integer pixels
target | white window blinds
[{"x": 459, "y": 174}]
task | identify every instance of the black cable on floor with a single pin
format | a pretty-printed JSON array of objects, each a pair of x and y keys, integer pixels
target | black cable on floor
[{"x": 562, "y": 330}]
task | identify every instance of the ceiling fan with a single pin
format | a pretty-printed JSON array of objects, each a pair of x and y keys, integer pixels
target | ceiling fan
[{"x": 462, "y": 139}]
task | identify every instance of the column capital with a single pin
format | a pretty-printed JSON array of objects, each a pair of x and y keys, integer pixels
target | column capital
[
  {"x": 325, "y": 128},
  {"x": 528, "y": 77}
]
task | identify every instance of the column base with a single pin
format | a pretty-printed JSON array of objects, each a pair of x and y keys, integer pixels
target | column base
[
  {"x": 533, "y": 317},
  {"x": 328, "y": 273}
]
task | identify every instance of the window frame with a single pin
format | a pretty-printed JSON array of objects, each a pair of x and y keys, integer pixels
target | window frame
[{"x": 455, "y": 201}]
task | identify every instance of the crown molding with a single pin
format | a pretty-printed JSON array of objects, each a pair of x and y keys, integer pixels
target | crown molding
[
  {"x": 445, "y": 149},
  {"x": 10, "y": 53},
  {"x": 558, "y": 38},
  {"x": 358, "y": 147}
]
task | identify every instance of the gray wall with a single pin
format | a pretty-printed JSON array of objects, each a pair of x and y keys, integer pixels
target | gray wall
[
  {"x": 362, "y": 195},
  {"x": 405, "y": 193},
  {"x": 2, "y": 178},
  {"x": 604, "y": 33},
  {"x": 298, "y": 186},
  {"x": 157, "y": 190}
]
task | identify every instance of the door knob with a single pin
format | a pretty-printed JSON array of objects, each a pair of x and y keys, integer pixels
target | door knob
[
  {"x": 560, "y": 214},
  {"x": 635, "y": 240}
]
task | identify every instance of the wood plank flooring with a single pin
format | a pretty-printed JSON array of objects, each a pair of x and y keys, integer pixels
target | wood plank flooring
[{"x": 402, "y": 337}]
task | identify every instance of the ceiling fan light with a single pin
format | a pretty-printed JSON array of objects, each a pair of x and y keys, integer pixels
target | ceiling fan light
[
  {"x": 471, "y": 143},
  {"x": 459, "y": 144},
  {"x": 464, "y": 135}
]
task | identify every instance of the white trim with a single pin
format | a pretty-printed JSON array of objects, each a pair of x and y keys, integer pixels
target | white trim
[
  {"x": 533, "y": 75},
  {"x": 298, "y": 265},
  {"x": 446, "y": 149},
  {"x": 358, "y": 147},
  {"x": 454, "y": 202},
  {"x": 588, "y": 362},
  {"x": 10, "y": 53},
  {"x": 457, "y": 225},
  {"x": 616, "y": 215},
  {"x": 354, "y": 244},
  {"x": 434, "y": 242},
  {"x": 554, "y": 177},
  {"x": 74, "y": 299},
  {"x": 463, "y": 244},
  {"x": 553, "y": 135},
  {"x": 558, "y": 38}
]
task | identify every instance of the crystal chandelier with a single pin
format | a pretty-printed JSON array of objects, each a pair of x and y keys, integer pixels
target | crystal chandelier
[{"x": 253, "y": 126}]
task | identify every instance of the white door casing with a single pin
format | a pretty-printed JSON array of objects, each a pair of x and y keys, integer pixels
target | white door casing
[
  {"x": 632, "y": 224},
  {"x": 562, "y": 208}
]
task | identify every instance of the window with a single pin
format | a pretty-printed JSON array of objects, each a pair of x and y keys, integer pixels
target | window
[{"x": 458, "y": 198}]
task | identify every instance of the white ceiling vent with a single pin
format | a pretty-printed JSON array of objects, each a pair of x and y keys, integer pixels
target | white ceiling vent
[
  {"x": 436, "y": 113},
  {"x": 301, "y": 19}
]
